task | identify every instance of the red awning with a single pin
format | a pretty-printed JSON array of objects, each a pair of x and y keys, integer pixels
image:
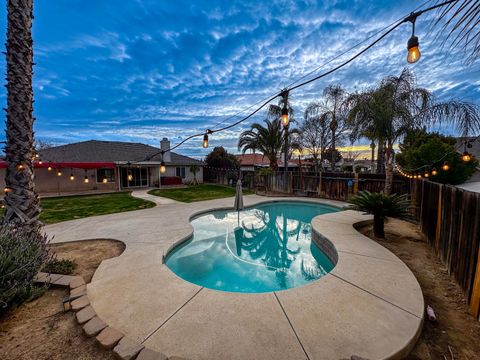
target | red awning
[{"x": 76, "y": 165}]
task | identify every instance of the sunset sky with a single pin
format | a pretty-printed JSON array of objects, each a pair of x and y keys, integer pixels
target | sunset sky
[{"x": 140, "y": 70}]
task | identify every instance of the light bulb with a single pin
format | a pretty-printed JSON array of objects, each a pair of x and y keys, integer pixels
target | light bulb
[
  {"x": 104, "y": 180},
  {"x": 445, "y": 166},
  {"x": 49, "y": 168},
  {"x": 466, "y": 156},
  {"x": 85, "y": 179},
  {"x": 426, "y": 174},
  {"x": 285, "y": 119},
  {"x": 59, "y": 173},
  {"x": 72, "y": 177},
  {"x": 413, "y": 50},
  {"x": 434, "y": 172},
  {"x": 163, "y": 168},
  {"x": 20, "y": 167},
  {"x": 130, "y": 177},
  {"x": 205, "y": 141}
]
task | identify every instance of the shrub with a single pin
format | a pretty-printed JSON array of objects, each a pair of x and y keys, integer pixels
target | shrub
[
  {"x": 22, "y": 254},
  {"x": 381, "y": 206},
  {"x": 62, "y": 266}
]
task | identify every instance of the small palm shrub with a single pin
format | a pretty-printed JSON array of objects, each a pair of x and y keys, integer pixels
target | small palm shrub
[
  {"x": 381, "y": 206},
  {"x": 62, "y": 266},
  {"x": 22, "y": 254}
]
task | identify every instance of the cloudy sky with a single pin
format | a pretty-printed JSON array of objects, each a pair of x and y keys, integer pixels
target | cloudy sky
[{"x": 140, "y": 70}]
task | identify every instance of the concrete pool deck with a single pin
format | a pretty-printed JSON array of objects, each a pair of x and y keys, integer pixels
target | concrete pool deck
[{"x": 370, "y": 305}]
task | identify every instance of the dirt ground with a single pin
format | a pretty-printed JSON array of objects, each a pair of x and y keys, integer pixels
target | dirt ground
[
  {"x": 456, "y": 333},
  {"x": 40, "y": 330}
]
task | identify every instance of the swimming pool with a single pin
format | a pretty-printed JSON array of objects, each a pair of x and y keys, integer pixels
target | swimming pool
[{"x": 264, "y": 248}]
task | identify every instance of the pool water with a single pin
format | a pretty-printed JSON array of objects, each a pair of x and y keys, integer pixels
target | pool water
[{"x": 264, "y": 248}]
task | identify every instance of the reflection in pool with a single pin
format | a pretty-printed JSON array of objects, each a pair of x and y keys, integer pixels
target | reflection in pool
[{"x": 264, "y": 248}]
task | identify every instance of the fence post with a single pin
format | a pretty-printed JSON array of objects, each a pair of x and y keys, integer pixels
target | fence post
[
  {"x": 475, "y": 299},
  {"x": 320, "y": 185},
  {"x": 355, "y": 184},
  {"x": 290, "y": 182},
  {"x": 439, "y": 217}
]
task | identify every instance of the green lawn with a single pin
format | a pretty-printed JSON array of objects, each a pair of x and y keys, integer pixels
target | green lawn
[
  {"x": 198, "y": 192},
  {"x": 64, "y": 208}
]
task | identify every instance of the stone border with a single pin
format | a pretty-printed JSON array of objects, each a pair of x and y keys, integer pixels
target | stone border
[{"x": 106, "y": 336}]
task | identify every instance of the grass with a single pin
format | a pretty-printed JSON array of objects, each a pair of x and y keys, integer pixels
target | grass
[
  {"x": 65, "y": 208},
  {"x": 198, "y": 192}
]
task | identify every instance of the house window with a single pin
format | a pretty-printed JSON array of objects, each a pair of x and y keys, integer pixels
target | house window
[
  {"x": 108, "y": 174},
  {"x": 180, "y": 171}
]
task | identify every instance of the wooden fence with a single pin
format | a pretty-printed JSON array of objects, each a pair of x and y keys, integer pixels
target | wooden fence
[
  {"x": 336, "y": 186},
  {"x": 450, "y": 219}
]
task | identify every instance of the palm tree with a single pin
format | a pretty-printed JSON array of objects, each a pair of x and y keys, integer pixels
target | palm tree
[
  {"x": 21, "y": 202},
  {"x": 381, "y": 206},
  {"x": 268, "y": 139},
  {"x": 459, "y": 20},
  {"x": 397, "y": 105},
  {"x": 334, "y": 113}
]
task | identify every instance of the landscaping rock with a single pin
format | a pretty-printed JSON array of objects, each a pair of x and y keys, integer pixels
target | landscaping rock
[
  {"x": 63, "y": 280},
  {"x": 147, "y": 354},
  {"x": 94, "y": 326},
  {"x": 127, "y": 349},
  {"x": 76, "y": 282},
  {"x": 80, "y": 303},
  {"x": 42, "y": 277},
  {"x": 109, "y": 337},
  {"x": 85, "y": 314},
  {"x": 79, "y": 291}
]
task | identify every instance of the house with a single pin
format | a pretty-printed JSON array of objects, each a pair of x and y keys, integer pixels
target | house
[
  {"x": 110, "y": 166},
  {"x": 251, "y": 162},
  {"x": 472, "y": 146}
]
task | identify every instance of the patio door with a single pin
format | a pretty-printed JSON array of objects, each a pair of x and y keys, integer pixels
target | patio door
[{"x": 134, "y": 177}]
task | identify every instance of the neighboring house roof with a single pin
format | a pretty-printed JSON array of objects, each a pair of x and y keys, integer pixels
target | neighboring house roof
[
  {"x": 253, "y": 160},
  {"x": 111, "y": 151}
]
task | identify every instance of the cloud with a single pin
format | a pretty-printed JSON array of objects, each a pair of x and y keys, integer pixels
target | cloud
[{"x": 142, "y": 70}]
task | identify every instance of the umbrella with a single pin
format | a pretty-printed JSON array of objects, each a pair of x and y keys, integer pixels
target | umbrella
[{"x": 238, "y": 205}]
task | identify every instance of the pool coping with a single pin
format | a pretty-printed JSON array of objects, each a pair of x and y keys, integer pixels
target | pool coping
[{"x": 122, "y": 296}]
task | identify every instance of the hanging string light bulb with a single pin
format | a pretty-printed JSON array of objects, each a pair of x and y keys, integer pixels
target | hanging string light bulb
[
  {"x": 163, "y": 168},
  {"x": 40, "y": 162},
  {"x": 72, "y": 177},
  {"x": 285, "y": 119},
  {"x": 205, "y": 140},
  {"x": 104, "y": 180},
  {"x": 85, "y": 178},
  {"x": 7, "y": 190},
  {"x": 59, "y": 172},
  {"x": 49, "y": 168},
  {"x": 445, "y": 166},
  {"x": 466, "y": 157},
  {"x": 413, "y": 46},
  {"x": 20, "y": 167},
  {"x": 129, "y": 176},
  {"x": 434, "y": 172},
  {"x": 426, "y": 174}
]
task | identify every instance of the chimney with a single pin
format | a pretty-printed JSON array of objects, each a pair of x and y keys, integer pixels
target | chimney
[{"x": 165, "y": 146}]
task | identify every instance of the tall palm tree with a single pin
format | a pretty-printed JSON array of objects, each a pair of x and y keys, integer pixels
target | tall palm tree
[
  {"x": 21, "y": 202},
  {"x": 334, "y": 113},
  {"x": 460, "y": 21},
  {"x": 268, "y": 139},
  {"x": 397, "y": 105}
]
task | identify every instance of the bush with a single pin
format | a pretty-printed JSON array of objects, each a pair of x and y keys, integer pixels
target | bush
[
  {"x": 63, "y": 266},
  {"x": 22, "y": 255}
]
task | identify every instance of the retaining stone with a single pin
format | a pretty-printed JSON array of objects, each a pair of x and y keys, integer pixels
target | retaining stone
[
  {"x": 81, "y": 290},
  {"x": 109, "y": 337},
  {"x": 80, "y": 303},
  {"x": 127, "y": 349},
  {"x": 85, "y": 314},
  {"x": 148, "y": 354},
  {"x": 76, "y": 282},
  {"x": 94, "y": 326}
]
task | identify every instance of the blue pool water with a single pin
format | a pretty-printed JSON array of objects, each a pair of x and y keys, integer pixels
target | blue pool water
[{"x": 264, "y": 248}]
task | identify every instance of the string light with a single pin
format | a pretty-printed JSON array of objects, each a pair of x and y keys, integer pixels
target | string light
[
  {"x": 85, "y": 179},
  {"x": 72, "y": 177},
  {"x": 40, "y": 162},
  {"x": 285, "y": 120},
  {"x": 59, "y": 172},
  {"x": 130, "y": 176},
  {"x": 445, "y": 166},
  {"x": 466, "y": 157},
  {"x": 426, "y": 174},
  {"x": 434, "y": 172},
  {"x": 20, "y": 167},
  {"x": 49, "y": 168},
  {"x": 412, "y": 46},
  {"x": 163, "y": 168},
  {"x": 105, "y": 180},
  {"x": 6, "y": 190},
  {"x": 205, "y": 141}
]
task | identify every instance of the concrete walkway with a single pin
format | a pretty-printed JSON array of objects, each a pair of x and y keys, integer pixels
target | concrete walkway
[
  {"x": 370, "y": 304},
  {"x": 143, "y": 194}
]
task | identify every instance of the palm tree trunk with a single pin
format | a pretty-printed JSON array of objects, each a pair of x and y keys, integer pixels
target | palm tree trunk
[
  {"x": 389, "y": 170},
  {"x": 372, "y": 146},
  {"x": 21, "y": 202},
  {"x": 380, "y": 157},
  {"x": 378, "y": 227}
]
